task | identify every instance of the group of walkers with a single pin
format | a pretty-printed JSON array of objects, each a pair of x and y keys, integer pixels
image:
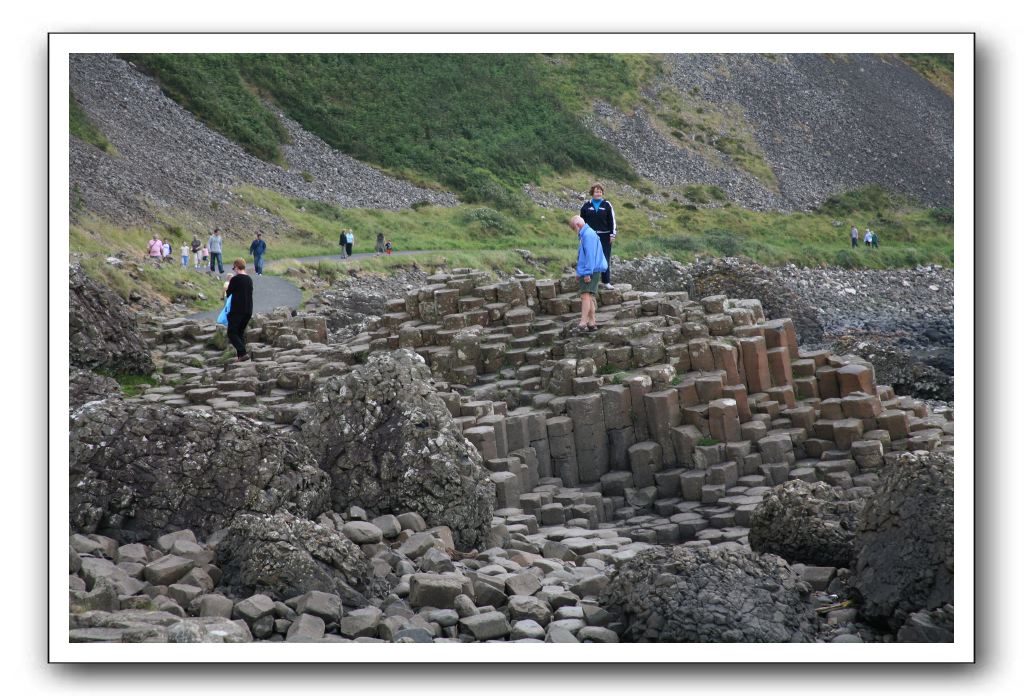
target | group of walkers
[
  {"x": 211, "y": 253},
  {"x": 347, "y": 242},
  {"x": 596, "y": 227},
  {"x": 869, "y": 238}
]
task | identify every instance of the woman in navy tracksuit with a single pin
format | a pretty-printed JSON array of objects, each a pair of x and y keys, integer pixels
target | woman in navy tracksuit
[{"x": 598, "y": 214}]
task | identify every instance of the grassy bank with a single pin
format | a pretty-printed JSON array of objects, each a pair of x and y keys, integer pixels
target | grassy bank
[{"x": 481, "y": 124}]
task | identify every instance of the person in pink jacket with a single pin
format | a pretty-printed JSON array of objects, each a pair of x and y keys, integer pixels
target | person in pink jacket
[{"x": 155, "y": 248}]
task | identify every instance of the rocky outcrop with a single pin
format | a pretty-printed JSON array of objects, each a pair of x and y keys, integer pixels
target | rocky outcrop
[
  {"x": 102, "y": 334},
  {"x": 138, "y": 470},
  {"x": 86, "y": 386},
  {"x": 284, "y": 556},
  {"x": 390, "y": 445},
  {"x": 809, "y": 523},
  {"x": 906, "y": 562},
  {"x": 709, "y": 595}
]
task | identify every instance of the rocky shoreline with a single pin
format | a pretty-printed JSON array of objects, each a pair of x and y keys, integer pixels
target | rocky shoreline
[{"x": 462, "y": 467}]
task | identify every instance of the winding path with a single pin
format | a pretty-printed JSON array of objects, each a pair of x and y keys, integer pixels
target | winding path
[{"x": 270, "y": 291}]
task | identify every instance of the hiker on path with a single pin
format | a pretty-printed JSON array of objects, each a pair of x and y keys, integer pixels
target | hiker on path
[
  {"x": 591, "y": 262},
  {"x": 239, "y": 289},
  {"x": 600, "y": 216},
  {"x": 184, "y": 255},
  {"x": 387, "y": 247},
  {"x": 341, "y": 243},
  {"x": 854, "y": 235},
  {"x": 205, "y": 255},
  {"x": 380, "y": 243},
  {"x": 216, "y": 246},
  {"x": 349, "y": 241},
  {"x": 257, "y": 249},
  {"x": 873, "y": 239},
  {"x": 196, "y": 250},
  {"x": 166, "y": 251},
  {"x": 867, "y": 238},
  {"x": 155, "y": 248}
]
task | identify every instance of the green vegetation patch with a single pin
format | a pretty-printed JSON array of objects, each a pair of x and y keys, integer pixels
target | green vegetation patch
[
  {"x": 482, "y": 124},
  {"x": 938, "y": 68},
  {"x": 84, "y": 129}
]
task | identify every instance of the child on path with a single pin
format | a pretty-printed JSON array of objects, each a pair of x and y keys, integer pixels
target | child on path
[
  {"x": 204, "y": 257},
  {"x": 184, "y": 255},
  {"x": 387, "y": 246}
]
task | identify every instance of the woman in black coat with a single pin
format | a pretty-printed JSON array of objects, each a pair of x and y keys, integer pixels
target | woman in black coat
[{"x": 600, "y": 216}]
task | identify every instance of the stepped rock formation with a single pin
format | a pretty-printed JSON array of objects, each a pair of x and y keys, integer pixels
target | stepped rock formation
[
  {"x": 566, "y": 456},
  {"x": 102, "y": 334},
  {"x": 139, "y": 470},
  {"x": 390, "y": 445}
]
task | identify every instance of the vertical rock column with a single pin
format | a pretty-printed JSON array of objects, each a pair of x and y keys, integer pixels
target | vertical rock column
[{"x": 587, "y": 414}]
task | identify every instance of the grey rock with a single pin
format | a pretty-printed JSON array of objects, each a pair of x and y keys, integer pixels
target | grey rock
[
  {"x": 810, "y": 523},
  {"x": 253, "y": 608},
  {"x": 215, "y": 605},
  {"x": 390, "y": 444},
  {"x": 306, "y": 627},
  {"x": 486, "y": 626},
  {"x": 102, "y": 333},
  {"x": 560, "y": 634},
  {"x": 363, "y": 532},
  {"x": 171, "y": 469},
  {"x": 709, "y": 594},
  {"x": 285, "y": 556},
  {"x": 323, "y": 604},
  {"x": 905, "y": 563},
  {"x": 361, "y": 623}
]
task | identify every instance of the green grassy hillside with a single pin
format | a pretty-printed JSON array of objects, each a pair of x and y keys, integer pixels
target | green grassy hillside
[{"x": 481, "y": 124}]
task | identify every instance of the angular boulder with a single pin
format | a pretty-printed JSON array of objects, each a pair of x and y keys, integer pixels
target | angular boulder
[
  {"x": 906, "y": 563},
  {"x": 390, "y": 446},
  {"x": 140, "y": 470},
  {"x": 284, "y": 556},
  {"x": 102, "y": 333},
  {"x": 711, "y": 594},
  {"x": 809, "y": 523}
]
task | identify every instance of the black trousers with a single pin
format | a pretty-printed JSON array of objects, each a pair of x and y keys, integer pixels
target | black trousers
[
  {"x": 348, "y": 249},
  {"x": 605, "y": 244},
  {"x": 236, "y": 331}
]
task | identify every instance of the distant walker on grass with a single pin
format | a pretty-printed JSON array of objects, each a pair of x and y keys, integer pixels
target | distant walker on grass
[
  {"x": 155, "y": 248},
  {"x": 591, "y": 262},
  {"x": 854, "y": 235},
  {"x": 380, "y": 243}
]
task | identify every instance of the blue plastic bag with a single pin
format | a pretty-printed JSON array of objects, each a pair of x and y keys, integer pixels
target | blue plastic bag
[{"x": 222, "y": 317}]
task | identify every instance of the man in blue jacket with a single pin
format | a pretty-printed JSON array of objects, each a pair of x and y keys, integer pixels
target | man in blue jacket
[
  {"x": 591, "y": 262},
  {"x": 257, "y": 249}
]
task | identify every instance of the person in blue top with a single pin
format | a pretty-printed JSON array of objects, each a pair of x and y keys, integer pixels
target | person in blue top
[
  {"x": 599, "y": 215},
  {"x": 257, "y": 249},
  {"x": 591, "y": 262}
]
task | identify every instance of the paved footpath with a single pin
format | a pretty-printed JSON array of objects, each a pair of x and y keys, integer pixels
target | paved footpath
[{"x": 270, "y": 291}]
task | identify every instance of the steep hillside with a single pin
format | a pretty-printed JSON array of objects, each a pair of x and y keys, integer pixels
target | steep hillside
[
  {"x": 702, "y": 154},
  {"x": 171, "y": 168},
  {"x": 788, "y": 131}
]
